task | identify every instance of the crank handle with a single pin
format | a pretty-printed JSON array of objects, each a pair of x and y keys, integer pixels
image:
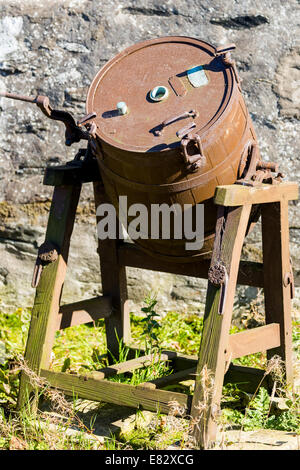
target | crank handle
[{"x": 73, "y": 132}]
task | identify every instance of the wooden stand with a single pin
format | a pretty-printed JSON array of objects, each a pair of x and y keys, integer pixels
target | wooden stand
[{"x": 217, "y": 348}]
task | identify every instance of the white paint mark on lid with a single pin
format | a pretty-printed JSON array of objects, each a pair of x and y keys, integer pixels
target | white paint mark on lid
[{"x": 197, "y": 76}]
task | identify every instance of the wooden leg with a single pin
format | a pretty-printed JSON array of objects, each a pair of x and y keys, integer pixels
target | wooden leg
[
  {"x": 114, "y": 284},
  {"x": 46, "y": 305},
  {"x": 276, "y": 260},
  {"x": 232, "y": 223}
]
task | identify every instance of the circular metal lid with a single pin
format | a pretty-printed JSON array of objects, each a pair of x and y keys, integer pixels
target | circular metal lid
[{"x": 152, "y": 90}]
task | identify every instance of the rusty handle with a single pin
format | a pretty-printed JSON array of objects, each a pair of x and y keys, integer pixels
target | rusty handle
[
  {"x": 73, "y": 132},
  {"x": 191, "y": 113},
  {"x": 14, "y": 96},
  {"x": 41, "y": 101},
  {"x": 86, "y": 119},
  {"x": 168, "y": 121}
]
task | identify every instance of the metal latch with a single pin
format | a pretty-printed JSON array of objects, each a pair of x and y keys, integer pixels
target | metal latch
[
  {"x": 192, "y": 152},
  {"x": 225, "y": 53},
  {"x": 252, "y": 170},
  {"x": 218, "y": 276},
  {"x": 47, "y": 254}
]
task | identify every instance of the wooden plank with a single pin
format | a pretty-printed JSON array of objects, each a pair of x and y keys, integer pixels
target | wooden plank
[
  {"x": 253, "y": 341},
  {"x": 179, "y": 360},
  {"x": 43, "y": 323},
  {"x": 132, "y": 364},
  {"x": 275, "y": 235},
  {"x": 85, "y": 311},
  {"x": 247, "y": 379},
  {"x": 237, "y": 195},
  {"x": 114, "y": 392},
  {"x": 73, "y": 173},
  {"x": 214, "y": 341},
  {"x": 114, "y": 284},
  {"x": 129, "y": 254},
  {"x": 186, "y": 374},
  {"x": 182, "y": 362}
]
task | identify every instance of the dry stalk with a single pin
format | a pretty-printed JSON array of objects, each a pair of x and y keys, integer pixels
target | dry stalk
[
  {"x": 57, "y": 399},
  {"x": 206, "y": 379}
]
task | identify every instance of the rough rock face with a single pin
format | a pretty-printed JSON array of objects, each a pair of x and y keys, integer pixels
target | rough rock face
[{"x": 56, "y": 47}]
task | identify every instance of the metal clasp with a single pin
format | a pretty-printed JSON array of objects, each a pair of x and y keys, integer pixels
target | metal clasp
[
  {"x": 252, "y": 170},
  {"x": 192, "y": 152},
  {"x": 225, "y": 53},
  {"x": 47, "y": 253},
  {"x": 218, "y": 276}
]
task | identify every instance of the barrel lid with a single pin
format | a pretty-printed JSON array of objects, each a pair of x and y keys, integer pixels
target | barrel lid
[{"x": 154, "y": 82}]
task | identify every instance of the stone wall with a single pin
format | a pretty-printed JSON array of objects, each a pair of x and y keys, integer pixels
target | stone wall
[{"x": 56, "y": 47}]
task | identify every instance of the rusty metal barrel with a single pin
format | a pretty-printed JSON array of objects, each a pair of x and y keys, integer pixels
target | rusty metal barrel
[{"x": 171, "y": 126}]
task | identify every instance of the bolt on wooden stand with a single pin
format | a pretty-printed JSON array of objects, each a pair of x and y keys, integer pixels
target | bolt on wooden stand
[{"x": 224, "y": 271}]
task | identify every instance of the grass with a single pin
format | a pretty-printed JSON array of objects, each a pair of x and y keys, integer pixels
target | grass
[{"x": 82, "y": 348}]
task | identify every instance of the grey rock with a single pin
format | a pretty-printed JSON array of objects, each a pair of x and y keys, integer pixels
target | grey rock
[
  {"x": 240, "y": 22},
  {"x": 288, "y": 79}
]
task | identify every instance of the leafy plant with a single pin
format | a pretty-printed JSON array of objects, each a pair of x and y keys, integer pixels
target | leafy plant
[
  {"x": 257, "y": 415},
  {"x": 151, "y": 326},
  {"x": 155, "y": 368}
]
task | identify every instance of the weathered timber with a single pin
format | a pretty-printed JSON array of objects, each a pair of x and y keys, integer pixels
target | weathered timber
[
  {"x": 277, "y": 265},
  {"x": 178, "y": 360},
  {"x": 250, "y": 273},
  {"x": 113, "y": 392},
  {"x": 132, "y": 364},
  {"x": 85, "y": 311},
  {"x": 114, "y": 284},
  {"x": 46, "y": 305},
  {"x": 215, "y": 335},
  {"x": 252, "y": 341},
  {"x": 248, "y": 379},
  {"x": 185, "y": 374},
  {"x": 238, "y": 195},
  {"x": 73, "y": 173}
]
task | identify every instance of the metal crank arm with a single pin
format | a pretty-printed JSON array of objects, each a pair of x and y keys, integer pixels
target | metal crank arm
[{"x": 74, "y": 132}]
